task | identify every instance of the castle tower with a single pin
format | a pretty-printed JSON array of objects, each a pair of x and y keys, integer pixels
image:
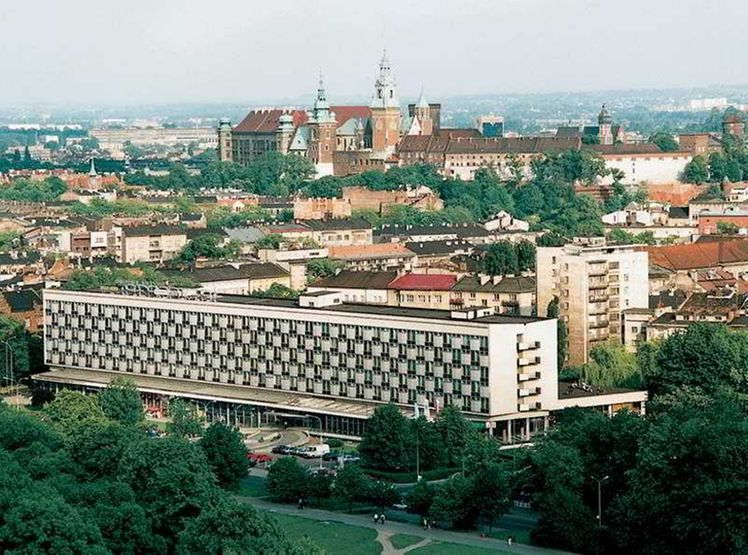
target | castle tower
[
  {"x": 605, "y": 130},
  {"x": 322, "y": 133},
  {"x": 284, "y": 134},
  {"x": 225, "y": 141},
  {"x": 733, "y": 124},
  {"x": 385, "y": 111},
  {"x": 422, "y": 113}
]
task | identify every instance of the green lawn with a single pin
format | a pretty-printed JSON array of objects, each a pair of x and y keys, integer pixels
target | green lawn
[
  {"x": 520, "y": 536},
  {"x": 334, "y": 537},
  {"x": 401, "y": 541},
  {"x": 253, "y": 486},
  {"x": 439, "y": 548}
]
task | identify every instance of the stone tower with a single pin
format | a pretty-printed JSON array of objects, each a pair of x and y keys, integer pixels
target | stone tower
[
  {"x": 605, "y": 129},
  {"x": 225, "y": 141},
  {"x": 733, "y": 124},
  {"x": 322, "y": 133},
  {"x": 385, "y": 111},
  {"x": 422, "y": 113},
  {"x": 284, "y": 134}
]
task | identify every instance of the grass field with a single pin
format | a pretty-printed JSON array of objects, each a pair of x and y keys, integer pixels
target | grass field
[
  {"x": 253, "y": 486},
  {"x": 335, "y": 538},
  {"x": 401, "y": 541}
]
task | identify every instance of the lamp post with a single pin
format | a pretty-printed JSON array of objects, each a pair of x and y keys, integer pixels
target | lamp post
[{"x": 600, "y": 499}]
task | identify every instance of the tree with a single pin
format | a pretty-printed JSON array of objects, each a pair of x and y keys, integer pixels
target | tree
[
  {"x": 491, "y": 492},
  {"x": 501, "y": 259},
  {"x": 322, "y": 268},
  {"x": 665, "y": 141},
  {"x": 184, "y": 419},
  {"x": 611, "y": 365},
  {"x": 455, "y": 431},
  {"x": 706, "y": 356},
  {"x": 351, "y": 484},
  {"x": 276, "y": 291},
  {"x": 429, "y": 443},
  {"x": 562, "y": 333},
  {"x": 207, "y": 245},
  {"x": 120, "y": 401},
  {"x": 226, "y": 454},
  {"x": 287, "y": 479},
  {"x": 171, "y": 479},
  {"x": 270, "y": 241},
  {"x": 18, "y": 341},
  {"x": 727, "y": 228},
  {"x": 419, "y": 498},
  {"x": 453, "y": 503},
  {"x": 387, "y": 442},
  {"x": 382, "y": 494},
  {"x": 526, "y": 254},
  {"x": 72, "y": 409},
  {"x": 696, "y": 171},
  {"x": 227, "y": 526},
  {"x": 98, "y": 447}
]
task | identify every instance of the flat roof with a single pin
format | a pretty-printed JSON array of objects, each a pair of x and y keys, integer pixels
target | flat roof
[{"x": 372, "y": 309}]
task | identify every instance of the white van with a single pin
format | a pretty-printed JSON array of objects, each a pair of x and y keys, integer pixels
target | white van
[{"x": 315, "y": 451}]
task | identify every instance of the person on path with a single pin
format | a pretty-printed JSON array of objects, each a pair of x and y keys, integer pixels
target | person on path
[{"x": 376, "y": 518}]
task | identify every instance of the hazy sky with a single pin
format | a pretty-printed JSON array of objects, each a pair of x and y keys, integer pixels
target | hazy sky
[{"x": 133, "y": 51}]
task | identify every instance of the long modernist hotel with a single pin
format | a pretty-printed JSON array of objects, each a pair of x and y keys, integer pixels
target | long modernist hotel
[{"x": 249, "y": 360}]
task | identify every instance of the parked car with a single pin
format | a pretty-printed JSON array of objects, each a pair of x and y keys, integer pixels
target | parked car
[
  {"x": 314, "y": 451},
  {"x": 350, "y": 458},
  {"x": 282, "y": 449},
  {"x": 332, "y": 456}
]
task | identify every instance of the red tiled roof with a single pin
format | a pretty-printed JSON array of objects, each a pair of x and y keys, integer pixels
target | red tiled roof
[
  {"x": 266, "y": 121},
  {"x": 424, "y": 282},
  {"x": 699, "y": 255},
  {"x": 344, "y": 113}
]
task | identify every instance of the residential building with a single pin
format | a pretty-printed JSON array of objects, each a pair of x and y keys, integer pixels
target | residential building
[
  {"x": 246, "y": 358},
  {"x": 366, "y": 287},
  {"x": 375, "y": 257},
  {"x": 340, "y": 232},
  {"x": 710, "y": 220},
  {"x": 642, "y": 164},
  {"x": 422, "y": 291},
  {"x": 503, "y": 294},
  {"x": 321, "y": 208},
  {"x": 593, "y": 284},
  {"x": 151, "y": 243},
  {"x": 236, "y": 279}
]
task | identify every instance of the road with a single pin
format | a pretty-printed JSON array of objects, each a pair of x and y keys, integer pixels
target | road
[{"x": 433, "y": 534}]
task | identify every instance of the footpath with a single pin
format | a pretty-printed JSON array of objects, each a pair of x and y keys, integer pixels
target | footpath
[{"x": 384, "y": 531}]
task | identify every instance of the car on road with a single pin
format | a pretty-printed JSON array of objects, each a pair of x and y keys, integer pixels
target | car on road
[
  {"x": 314, "y": 451},
  {"x": 283, "y": 450}
]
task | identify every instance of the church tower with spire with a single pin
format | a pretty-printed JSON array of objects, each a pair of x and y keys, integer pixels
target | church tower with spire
[
  {"x": 385, "y": 111},
  {"x": 322, "y": 133},
  {"x": 605, "y": 129},
  {"x": 422, "y": 113}
]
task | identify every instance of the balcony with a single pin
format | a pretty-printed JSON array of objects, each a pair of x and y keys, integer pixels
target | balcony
[
  {"x": 526, "y": 407},
  {"x": 598, "y": 283},
  {"x": 527, "y": 376},
  {"x": 528, "y": 345},
  {"x": 597, "y": 323},
  {"x": 528, "y": 361},
  {"x": 528, "y": 392}
]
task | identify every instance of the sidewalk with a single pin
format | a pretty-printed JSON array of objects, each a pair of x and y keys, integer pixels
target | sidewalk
[{"x": 447, "y": 536}]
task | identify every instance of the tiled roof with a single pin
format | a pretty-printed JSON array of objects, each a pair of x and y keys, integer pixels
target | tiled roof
[
  {"x": 266, "y": 121},
  {"x": 425, "y": 248},
  {"x": 365, "y": 252},
  {"x": 513, "y": 145},
  {"x": 699, "y": 255},
  {"x": 424, "y": 282},
  {"x": 344, "y": 113},
  {"x": 646, "y": 148},
  {"x": 348, "y": 279}
]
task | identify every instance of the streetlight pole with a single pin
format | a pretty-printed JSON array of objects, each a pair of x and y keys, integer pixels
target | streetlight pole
[
  {"x": 600, "y": 499},
  {"x": 418, "y": 455}
]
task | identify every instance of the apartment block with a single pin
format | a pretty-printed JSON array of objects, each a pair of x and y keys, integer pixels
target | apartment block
[
  {"x": 594, "y": 283},
  {"x": 151, "y": 243}
]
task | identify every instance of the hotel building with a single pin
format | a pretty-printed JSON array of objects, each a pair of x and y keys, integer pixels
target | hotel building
[{"x": 248, "y": 358}]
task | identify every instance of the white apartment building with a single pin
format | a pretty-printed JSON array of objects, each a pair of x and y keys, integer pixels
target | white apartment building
[
  {"x": 315, "y": 356},
  {"x": 594, "y": 284}
]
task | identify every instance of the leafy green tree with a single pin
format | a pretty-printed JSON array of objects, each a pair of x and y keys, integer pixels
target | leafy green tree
[
  {"x": 456, "y": 432},
  {"x": 429, "y": 444},
  {"x": 319, "y": 485},
  {"x": 665, "y": 141},
  {"x": 185, "y": 420},
  {"x": 171, "y": 479},
  {"x": 287, "y": 479},
  {"x": 611, "y": 365},
  {"x": 98, "y": 447},
  {"x": 227, "y": 455},
  {"x": 696, "y": 171},
  {"x": 227, "y": 526},
  {"x": 382, "y": 494},
  {"x": 419, "y": 498},
  {"x": 453, "y": 503},
  {"x": 491, "y": 492},
  {"x": 727, "y": 228},
  {"x": 387, "y": 442},
  {"x": 18, "y": 341},
  {"x": 207, "y": 245},
  {"x": 120, "y": 401},
  {"x": 322, "y": 267},
  {"x": 72, "y": 409},
  {"x": 270, "y": 241},
  {"x": 277, "y": 291},
  {"x": 25, "y": 190},
  {"x": 562, "y": 333},
  {"x": 706, "y": 356},
  {"x": 501, "y": 259},
  {"x": 717, "y": 167},
  {"x": 526, "y": 254},
  {"x": 351, "y": 484}
]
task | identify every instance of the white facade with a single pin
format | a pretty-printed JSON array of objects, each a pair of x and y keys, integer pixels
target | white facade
[
  {"x": 654, "y": 169},
  {"x": 594, "y": 284}
]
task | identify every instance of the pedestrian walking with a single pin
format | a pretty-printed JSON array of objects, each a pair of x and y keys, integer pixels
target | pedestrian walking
[
  {"x": 382, "y": 517},
  {"x": 376, "y": 518}
]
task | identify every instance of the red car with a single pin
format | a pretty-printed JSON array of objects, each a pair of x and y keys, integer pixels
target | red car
[{"x": 258, "y": 458}]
